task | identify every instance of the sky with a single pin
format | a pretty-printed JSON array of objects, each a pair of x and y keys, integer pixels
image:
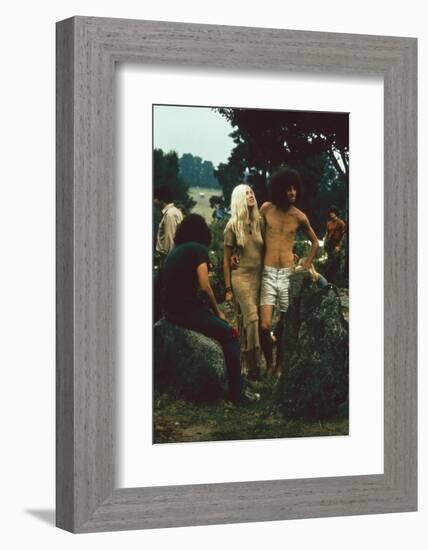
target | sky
[{"x": 196, "y": 130}]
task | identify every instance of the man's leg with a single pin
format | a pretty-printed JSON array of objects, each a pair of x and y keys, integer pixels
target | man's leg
[
  {"x": 284, "y": 302},
  {"x": 332, "y": 264},
  {"x": 210, "y": 325},
  {"x": 266, "y": 343}
]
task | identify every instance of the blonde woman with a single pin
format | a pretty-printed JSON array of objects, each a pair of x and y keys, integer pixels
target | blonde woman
[{"x": 243, "y": 236}]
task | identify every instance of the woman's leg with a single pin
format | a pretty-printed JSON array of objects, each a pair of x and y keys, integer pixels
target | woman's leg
[
  {"x": 266, "y": 312},
  {"x": 246, "y": 292}
]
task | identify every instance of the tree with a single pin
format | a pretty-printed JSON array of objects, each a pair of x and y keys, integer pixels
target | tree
[
  {"x": 314, "y": 143},
  {"x": 207, "y": 175},
  {"x": 266, "y": 139},
  {"x": 216, "y": 200},
  {"x": 166, "y": 172},
  {"x": 197, "y": 172},
  {"x": 228, "y": 175},
  {"x": 322, "y": 187}
]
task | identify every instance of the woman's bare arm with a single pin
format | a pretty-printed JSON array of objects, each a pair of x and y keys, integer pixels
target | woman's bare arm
[{"x": 227, "y": 254}]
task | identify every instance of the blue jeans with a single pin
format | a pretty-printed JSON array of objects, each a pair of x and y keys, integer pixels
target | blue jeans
[
  {"x": 206, "y": 323},
  {"x": 322, "y": 281}
]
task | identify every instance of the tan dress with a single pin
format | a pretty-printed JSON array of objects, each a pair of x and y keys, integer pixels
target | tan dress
[{"x": 246, "y": 282}]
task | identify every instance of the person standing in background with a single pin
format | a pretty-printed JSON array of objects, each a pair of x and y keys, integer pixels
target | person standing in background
[
  {"x": 185, "y": 281},
  {"x": 171, "y": 218},
  {"x": 333, "y": 241}
]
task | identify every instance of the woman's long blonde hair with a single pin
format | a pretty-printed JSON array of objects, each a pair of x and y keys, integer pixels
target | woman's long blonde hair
[{"x": 240, "y": 214}]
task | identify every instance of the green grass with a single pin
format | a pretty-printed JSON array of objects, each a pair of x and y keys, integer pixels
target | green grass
[
  {"x": 181, "y": 421},
  {"x": 202, "y": 206}
]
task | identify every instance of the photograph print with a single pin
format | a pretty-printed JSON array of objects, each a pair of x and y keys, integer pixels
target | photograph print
[{"x": 250, "y": 273}]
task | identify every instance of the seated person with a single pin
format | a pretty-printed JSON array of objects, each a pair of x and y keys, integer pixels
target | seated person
[
  {"x": 319, "y": 280},
  {"x": 185, "y": 277}
]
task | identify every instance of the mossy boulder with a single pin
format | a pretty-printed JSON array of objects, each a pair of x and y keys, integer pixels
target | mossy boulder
[
  {"x": 187, "y": 364},
  {"x": 313, "y": 352}
]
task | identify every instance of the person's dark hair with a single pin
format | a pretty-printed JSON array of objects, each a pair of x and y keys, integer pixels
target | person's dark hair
[
  {"x": 163, "y": 193},
  {"x": 281, "y": 182},
  {"x": 334, "y": 210},
  {"x": 193, "y": 228}
]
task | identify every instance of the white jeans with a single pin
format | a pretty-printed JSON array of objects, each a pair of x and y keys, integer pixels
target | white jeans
[{"x": 275, "y": 286}]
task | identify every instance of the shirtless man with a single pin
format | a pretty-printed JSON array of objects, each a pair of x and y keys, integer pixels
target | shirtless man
[
  {"x": 282, "y": 220},
  {"x": 333, "y": 241}
]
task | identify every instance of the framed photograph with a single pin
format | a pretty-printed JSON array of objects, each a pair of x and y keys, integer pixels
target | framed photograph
[
  {"x": 329, "y": 120},
  {"x": 281, "y": 313}
]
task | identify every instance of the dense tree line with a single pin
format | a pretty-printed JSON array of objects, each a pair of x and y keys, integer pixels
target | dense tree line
[
  {"x": 166, "y": 172},
  {"x": 197, "y": 172}
]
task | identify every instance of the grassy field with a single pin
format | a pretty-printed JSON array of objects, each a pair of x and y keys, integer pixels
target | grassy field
[
  {"x": 181, "y": 421},
  {"x": 203, "y": 203}
]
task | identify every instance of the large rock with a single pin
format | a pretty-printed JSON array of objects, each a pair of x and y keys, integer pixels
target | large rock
[
  {"x": 187, "y": 364},
  {"x": 313, "y": 352}
]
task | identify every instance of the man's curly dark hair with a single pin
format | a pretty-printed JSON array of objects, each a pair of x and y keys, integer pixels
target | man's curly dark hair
[{"x": 280, "y": 182}]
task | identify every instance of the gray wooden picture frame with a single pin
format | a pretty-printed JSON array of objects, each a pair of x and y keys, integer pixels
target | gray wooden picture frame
[{"x": 87, "y": 50}]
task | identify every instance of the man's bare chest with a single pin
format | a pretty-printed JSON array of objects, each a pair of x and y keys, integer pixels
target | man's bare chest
[{"x": 281, "y": 225}]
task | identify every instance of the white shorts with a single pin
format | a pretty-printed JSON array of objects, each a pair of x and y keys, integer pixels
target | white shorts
[{"x": 275, "y": 287}]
